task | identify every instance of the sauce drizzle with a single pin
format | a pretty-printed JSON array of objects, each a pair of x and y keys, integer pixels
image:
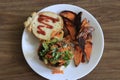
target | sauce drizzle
[
  {"x": 50, "y": 18},
  {"x": 43, "y": 19},
  {"x": 40, "y": 31}
]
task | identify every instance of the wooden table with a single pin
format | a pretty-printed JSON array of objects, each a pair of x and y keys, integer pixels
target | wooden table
[{"x": 14, "y": 12}]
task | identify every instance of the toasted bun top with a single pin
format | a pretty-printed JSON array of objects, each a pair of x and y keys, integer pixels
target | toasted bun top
[{"x": 44, "y": 23}]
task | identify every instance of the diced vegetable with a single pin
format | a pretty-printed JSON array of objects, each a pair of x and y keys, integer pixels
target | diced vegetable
[
  {"x": 67, "y": 63},
  {"x": 45, "y": 61},
  {"x": 43, "y": 52},
  {"x": 53, "y": 41},
  {"x": 57, "y": 34},
  {"x": 45, "y": 46}
]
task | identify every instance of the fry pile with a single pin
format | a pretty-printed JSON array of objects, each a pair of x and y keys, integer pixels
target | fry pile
[{"x": 78, "y": 32}]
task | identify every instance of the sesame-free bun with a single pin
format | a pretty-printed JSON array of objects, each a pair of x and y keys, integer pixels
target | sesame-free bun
[{"x": 45, "y": 20}]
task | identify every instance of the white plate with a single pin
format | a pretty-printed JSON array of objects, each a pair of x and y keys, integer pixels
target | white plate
[{"x": 30, "y": 45}]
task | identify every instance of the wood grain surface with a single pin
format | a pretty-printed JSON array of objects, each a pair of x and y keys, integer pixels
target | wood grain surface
[{"x": 14, "y": 12}]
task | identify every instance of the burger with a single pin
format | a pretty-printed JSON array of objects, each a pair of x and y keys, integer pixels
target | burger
[{"x": 54, "y": 51}]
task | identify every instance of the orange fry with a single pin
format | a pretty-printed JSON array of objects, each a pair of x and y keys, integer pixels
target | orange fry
[
  {"x": 88, "y": 49},
  {"x": 77, "y": 55},
  {"x": 85, "y": 23}
]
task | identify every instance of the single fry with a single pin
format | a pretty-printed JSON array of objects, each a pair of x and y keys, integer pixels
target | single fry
[
  {"x": 85, "y": 23},
  {"x": 70, "y": 28},
  {"x": 77, "y": 55},
  {"x": 68, "y": 14},
  {"x": 88, "y": 49}
]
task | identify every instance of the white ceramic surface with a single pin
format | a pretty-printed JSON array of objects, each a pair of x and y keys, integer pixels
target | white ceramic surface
[{"x": 30, "y": 45}]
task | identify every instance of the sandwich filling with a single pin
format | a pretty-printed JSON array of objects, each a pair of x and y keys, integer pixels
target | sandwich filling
[{"x": 55, "y": 53}]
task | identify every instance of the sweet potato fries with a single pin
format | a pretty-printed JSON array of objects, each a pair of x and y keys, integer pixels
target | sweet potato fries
[{"x": 79, "y": 32}]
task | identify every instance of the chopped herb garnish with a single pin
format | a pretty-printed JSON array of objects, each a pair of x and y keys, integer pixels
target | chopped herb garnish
[{"x": 54, "y": 53}]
